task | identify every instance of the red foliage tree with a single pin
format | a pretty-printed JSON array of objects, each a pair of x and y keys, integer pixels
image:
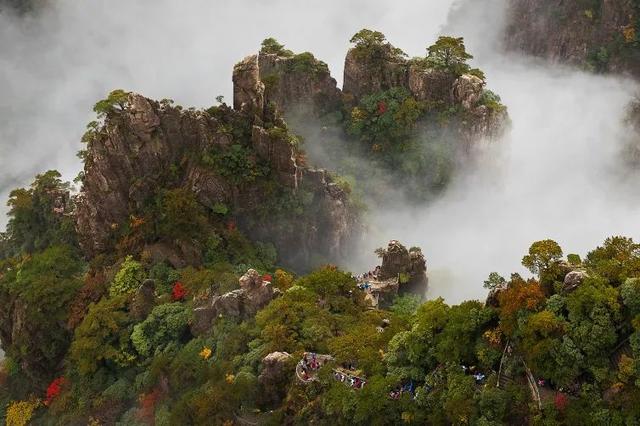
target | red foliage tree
[
  {"x": 382, "y": 107},
  {"x": 178, "y": 292},
  {"x": 54, "y": 389},
  {"x": 267, "y": 277},
  {"x": 561, "y": 401},
  {"x": 148, "y": 402}
]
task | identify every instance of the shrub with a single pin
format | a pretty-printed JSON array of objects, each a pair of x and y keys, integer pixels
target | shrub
[
  {"x": 19, "y": 413},
  {"x": 165, "y": 325},
  {"x": 128, "y": 278}
]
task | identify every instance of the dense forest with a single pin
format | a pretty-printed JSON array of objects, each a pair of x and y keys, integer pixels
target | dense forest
[{"x": 191, "y": 276}]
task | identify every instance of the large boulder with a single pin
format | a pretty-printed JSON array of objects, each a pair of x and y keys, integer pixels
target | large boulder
[
  {"x": 277, "y": 370},
  {"x": 574, "y": 279}
]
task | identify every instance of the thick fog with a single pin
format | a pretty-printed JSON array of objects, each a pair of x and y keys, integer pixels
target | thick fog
[{"x": 557, "y": 173}]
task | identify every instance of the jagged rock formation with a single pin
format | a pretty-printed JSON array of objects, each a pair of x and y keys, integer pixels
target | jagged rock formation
[
  {"x": 384, "y": 69},
  {"x": 600, "y": 34},
  {"x": 409, "y": 265},
  {"x": 402, "y": 271},
  {"x": 145, "y": 146},
  {"x": 290, "y": 82},
  {"x": 253, "y": 295}
]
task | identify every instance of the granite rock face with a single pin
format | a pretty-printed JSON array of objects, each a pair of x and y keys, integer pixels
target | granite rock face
[
  {"x": 149, "y": 145},
  {"x": 576, "y": 33}
]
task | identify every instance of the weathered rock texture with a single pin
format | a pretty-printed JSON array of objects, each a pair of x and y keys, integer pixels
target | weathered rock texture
[
  {"x": 409, "y": 266},
  {"x": 365, "y": 75},
  {"x": 148, "y": 146},
  {"x": 601, "y": 34},
  {"x": 277, "y": 370},
  {"x": 402, "y": 271},
  {"x": 253, "y": 295}
]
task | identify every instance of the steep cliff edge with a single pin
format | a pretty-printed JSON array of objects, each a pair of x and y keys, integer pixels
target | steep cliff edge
[
  {"x": 601, "y": 35},
  {"x": 231, "y": 166}
]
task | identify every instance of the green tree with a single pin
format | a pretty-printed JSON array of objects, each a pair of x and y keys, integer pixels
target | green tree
[
  {"x": 542, "y": 255},
  {"x": 164, "y": 327},
  {"x": 35, "y": 294},
  {"x": 40, "y": 216},
  {"x": 616, "y": 260},
  {"x": 128, "y": 278},
  {"x": 374, "y": 46},
  {"x": 495, "y": 281},
  {"x": 271, "y": 46},
  {"x": 117, "y": 100},
  {"x": 449, "y": 53},
  {"x": 181, "y": 215},
  {"x": 103, "y": 337}
]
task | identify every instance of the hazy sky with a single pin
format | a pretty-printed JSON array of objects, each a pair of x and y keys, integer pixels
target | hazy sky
[{"x": 555, "y": 174}]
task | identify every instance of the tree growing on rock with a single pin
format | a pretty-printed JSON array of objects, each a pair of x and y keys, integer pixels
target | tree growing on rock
[
  {"x": 374, "y": 45},
  {"x": 116, "y": 101},
  {"x": 449, "y": 53},
  {"x": 271, "y": 46}
]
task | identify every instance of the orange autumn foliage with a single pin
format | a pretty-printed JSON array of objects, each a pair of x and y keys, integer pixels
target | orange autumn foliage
[{"x": 518, "y": 295}]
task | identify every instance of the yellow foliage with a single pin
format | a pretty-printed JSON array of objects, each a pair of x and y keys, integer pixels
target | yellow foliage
[
  {"x": 284, "y": 280},
  {"x": 407, "y": 417},
  {"x": 358, "y": 114},
  {"x": 493, "y": 337},
  {"x": 230, "y": 378},
  {"x": 626, "y": 368},
  {"x": 588, "y": 13},
  {"x": 19, "y": 413},
  {"x": 205, "y": 353},
  {"x": 629, "y": 33}
]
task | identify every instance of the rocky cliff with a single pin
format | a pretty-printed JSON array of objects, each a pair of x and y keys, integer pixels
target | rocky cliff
[
  {"x": 368, "y": 71},
  {"x": 599, "y": 34},
  {"x": 241, "y": 166}
]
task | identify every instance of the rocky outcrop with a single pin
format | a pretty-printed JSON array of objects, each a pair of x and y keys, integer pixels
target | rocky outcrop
[
  {"x": 248, "y": 90},
  {"x": 284, "y": 83},
  {"x": 601, "y": 35},
  {"x": 402, "y": 271},
  {"x": 147, "y": 146},
  {"x": 574, "y": 279},
  {"x": 364, "y": 74},
  {"x": 298, "y": 81},
  {"x": 143, "y": 300},
  {"x": 277, "y": 370},
  {"x": 409, "y": 265},
  {"x": 253, "y": 295}
]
